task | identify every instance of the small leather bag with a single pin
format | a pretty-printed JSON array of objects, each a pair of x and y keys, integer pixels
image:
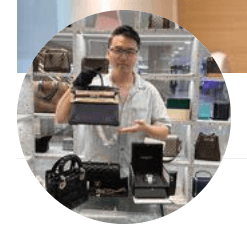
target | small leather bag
[
  {"x": 57, "y": 60},
  {"x": 101, "y": 171},
  {"x": 95, "y": 105},
  {"x": 173, "y": 146},
  {"x": 67, "y": 186},
  {"x": 207, "y": 147},
  {"x": 221, "y": 111},
  {"x": 157, "y": 22},
  {"x": 200, "y": 182},
  {"x": 104, "y": 179},
  {"x": 212, "y": 67}
]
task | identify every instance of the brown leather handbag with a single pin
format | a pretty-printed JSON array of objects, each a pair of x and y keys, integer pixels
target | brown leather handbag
[
  {"x": 207, "y": 147},
  {"x": 57, "y": 60},
  {"x": 157, "y": 22},
  {"x": 47, "y": 94}
]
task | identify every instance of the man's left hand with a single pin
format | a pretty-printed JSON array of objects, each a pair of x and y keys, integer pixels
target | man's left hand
[{"x": 139, "y": 126}]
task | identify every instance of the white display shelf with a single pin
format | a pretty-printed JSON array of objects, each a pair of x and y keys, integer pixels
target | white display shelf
[
  {"x": 44, "y": 115},
  {"x": 213, "y": 122},
  {"x": 166, "y": 76},
  {"x": 24, "y": 117},
  {"x": 202, "y": 163}
]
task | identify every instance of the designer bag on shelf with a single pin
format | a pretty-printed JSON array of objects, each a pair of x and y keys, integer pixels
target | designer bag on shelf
[
  {"x": 200, "y": 182},
  {"x": 207, "y": 147}
]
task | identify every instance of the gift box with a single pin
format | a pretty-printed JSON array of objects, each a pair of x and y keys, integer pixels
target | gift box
[{"x": 148, "y": 177}]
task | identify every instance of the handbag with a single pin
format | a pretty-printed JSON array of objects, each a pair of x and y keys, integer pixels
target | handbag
[
  {"x": 42, "y": 144},
  {"x": 101, "y": 171},
  {"x": 200, "y": 182},
  {"x": 207, "y": 147},
  {"x": 94, "y": 105},
  {"x": 221, "y": 111},
  {"x": 157, "y": 22},
  {"x": 57, "y": 60},
  {"x": 173, "y": 146},
  {"x": 67, "y": 186},
  {"x": 212, "y": 67},
  {"x": 47, "y": 94}
]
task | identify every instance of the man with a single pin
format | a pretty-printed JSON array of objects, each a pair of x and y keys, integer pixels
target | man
[{"x": 142, "y": 111}]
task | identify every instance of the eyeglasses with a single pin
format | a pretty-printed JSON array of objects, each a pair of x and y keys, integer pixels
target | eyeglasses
[{"x": 128, "y": 52}]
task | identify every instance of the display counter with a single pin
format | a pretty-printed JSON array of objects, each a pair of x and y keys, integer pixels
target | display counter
[{"x": 110, "y": 209}]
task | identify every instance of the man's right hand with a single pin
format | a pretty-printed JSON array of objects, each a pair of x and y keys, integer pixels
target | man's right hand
[{"x": 85, "y": 77}]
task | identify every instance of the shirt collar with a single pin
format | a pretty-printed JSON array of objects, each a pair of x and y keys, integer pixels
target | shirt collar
[{"x": 139, "y": 82}]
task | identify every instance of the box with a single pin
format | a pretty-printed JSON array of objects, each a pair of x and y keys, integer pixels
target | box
[
  {"x": 178, "y": 109},
  {"x": 204, "y": 111},
  {"x": 148, "y": 177}
]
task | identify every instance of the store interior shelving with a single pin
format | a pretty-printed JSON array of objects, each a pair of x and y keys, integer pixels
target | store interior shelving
[{"x": 184, "y": 164}]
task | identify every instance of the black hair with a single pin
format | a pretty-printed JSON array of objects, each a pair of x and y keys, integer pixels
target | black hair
[{"x": 126, "y": 31}]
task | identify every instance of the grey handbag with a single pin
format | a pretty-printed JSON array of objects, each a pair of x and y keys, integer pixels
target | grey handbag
[{"x": 173, "y": 146}]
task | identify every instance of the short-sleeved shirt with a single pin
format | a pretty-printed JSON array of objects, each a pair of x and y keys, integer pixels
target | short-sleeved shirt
[{"x": 103, "y": 143}]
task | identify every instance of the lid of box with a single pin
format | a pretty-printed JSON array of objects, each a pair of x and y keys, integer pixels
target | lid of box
[
  {"x": 147, "y": 158},
  {"x": 173, "y": 103}
]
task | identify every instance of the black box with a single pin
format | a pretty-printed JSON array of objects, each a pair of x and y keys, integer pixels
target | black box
[{"x": 149, "y": 179}]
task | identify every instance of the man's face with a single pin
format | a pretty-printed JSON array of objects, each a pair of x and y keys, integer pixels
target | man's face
[{"x": 122, "y": 54}]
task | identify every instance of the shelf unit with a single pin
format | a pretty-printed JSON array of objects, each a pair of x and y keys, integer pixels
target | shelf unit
[{"x": 185, "y": 164}]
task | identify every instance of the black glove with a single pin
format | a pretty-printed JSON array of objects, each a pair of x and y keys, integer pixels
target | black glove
[{"x": 85, "y": 77}]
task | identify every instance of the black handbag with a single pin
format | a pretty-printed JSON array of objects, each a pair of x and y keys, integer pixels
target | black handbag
[
  {"x": 212, "y": 66},
  {"x": 200, "y": 182},
  {"x": 101, "y": 171},
  {"x": 95, "y": 105},
  {"x": 207, "y": 147},
  {"x": 42, "y": 144},
  {"x": 67, "y": 186},
  {"x": 221, "y": 111}
]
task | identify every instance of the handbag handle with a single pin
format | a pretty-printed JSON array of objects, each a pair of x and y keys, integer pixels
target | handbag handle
[
  {"x": 59, "y": 165},
  {"x": 40, "y": 94}
]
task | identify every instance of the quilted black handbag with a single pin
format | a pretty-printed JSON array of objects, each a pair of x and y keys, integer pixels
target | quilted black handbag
[
  {"x": 207, "y": 147},
  {"x": 68, "y": 186},
  {"x": 101, "y": 171}
]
